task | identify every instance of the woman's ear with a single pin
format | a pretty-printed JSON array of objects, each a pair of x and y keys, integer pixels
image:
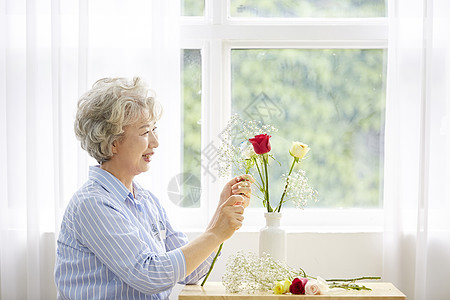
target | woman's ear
[{"x": 114, "y": 147}]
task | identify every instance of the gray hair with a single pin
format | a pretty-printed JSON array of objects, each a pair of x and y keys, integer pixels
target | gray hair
[{"x": 109, "y": 106}]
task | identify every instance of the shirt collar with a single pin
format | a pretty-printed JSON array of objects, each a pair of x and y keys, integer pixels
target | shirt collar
[{"x": 109, "y": 182}]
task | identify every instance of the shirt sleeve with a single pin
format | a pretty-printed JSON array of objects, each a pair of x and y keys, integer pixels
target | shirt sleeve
[{"x": 106, "y": 231}]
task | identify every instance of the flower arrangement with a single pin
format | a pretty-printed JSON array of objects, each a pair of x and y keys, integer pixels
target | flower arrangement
[
  {"x": 253, "y": 154},
  {"x": 253, "y": 150},
  {"x": 249, "y": 273},
  {"x": 246, "y": 146}
]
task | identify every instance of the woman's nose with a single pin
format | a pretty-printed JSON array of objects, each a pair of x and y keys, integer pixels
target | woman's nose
[{"x": 153, "y": 140}]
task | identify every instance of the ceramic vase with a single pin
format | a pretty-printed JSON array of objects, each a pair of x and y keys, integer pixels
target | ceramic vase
[{"x": 272, "y": 238}]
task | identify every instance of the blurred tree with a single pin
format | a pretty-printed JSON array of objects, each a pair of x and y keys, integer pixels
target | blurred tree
[
  {"x": 308, "y": 8},
  {"x": 331, "y": 99},
  {"x": 191, "y": 121},
  {"x": 192, "y": 7}
]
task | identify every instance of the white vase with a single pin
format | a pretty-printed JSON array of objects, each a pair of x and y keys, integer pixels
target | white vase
[{"x": 272, "y": 238}]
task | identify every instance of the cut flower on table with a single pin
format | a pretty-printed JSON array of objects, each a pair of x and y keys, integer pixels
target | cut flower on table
[
  {"x": 282, "y": 287},
  {"x": 298, "y": 286},
  {"x": 316, "y": 286}
]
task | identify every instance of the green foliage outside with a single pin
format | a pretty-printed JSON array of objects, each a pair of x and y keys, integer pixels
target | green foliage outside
[
  {"x": 331, "y": 99},
  {"x": 308, "y": 8},
  {"x": 192, "y": 7},
  {"x": 191, "y": 115},
  {"x": 294, "y": 8}
]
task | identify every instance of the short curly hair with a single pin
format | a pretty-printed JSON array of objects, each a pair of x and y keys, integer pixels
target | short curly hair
[{"x": 109, "y": 106}]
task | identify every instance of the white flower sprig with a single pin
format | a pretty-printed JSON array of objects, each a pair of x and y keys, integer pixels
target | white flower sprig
[
  {"x": 298, "y": 190},
  {"x": 239, "y": 130}
]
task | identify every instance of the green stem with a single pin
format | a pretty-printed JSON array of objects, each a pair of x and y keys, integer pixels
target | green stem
[
  {"x": 265, "y": 159},
  {"x": 262, "y": 180},
  {"x": 278, "y": 209},
  {"x": 259, "y": 172},
  {"x": 358, "y": 278},
  {"x": 212, "y": 265},
  {"x": 248, "y": 165},
  {"x": 347, "y": 286}
]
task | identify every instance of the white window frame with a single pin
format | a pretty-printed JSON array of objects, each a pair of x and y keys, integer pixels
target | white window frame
[{"x": 216, "y": 34}]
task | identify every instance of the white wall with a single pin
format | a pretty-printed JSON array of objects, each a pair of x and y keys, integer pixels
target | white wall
[{"x": 337, "y": 255}]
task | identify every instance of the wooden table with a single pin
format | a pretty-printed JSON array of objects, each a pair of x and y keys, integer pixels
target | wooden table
[{"x": 215, "y": 291}]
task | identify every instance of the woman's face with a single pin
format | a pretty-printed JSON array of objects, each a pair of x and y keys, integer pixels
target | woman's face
[{"x": 132, "y": 153}]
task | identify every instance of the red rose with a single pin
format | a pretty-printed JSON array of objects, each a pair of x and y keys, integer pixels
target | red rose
[
  {"x": 298, "y": 286},
  {"x": 261, "y": 143}
]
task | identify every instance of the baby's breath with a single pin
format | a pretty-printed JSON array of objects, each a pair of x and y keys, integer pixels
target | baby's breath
[
  {"x": 249, "y": 273},
  {"x": 299, "y": 191},
  {"x": 237, "y": 132}
]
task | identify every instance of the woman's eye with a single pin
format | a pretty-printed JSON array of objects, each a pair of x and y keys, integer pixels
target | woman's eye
[
  {"x": 145, "y": 133},
  {"x": 155, "y": 129}
]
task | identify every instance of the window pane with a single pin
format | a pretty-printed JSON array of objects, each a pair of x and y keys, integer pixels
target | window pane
[
  {"x": 191, "y": 77},
  {"x": 308, "y": 8},
  {"x": 331, "y": 99},
  {"x": 192, "y": 7}
]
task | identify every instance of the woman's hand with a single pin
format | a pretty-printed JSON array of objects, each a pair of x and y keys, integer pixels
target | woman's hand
[
  {"x": 229, "y": 217},
  {"x": 239, "y": 185}
]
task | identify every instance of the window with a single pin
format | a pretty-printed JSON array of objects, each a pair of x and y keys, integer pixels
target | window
[{"x": 319, "y": 67}]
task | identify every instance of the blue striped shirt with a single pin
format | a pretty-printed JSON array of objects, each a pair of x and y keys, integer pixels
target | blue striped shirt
[{"x": 114, "y": 246}]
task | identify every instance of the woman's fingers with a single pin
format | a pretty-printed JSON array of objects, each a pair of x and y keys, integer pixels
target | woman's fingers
[
  {"x": 238, "y": 185},
  {"x": 233, "y": 200},
  {"x": 231, "y": 216},
  {"x": 244, "y": 177},
  {"x": 241, "y": 184},
  {"x": 243, "y": 188}
]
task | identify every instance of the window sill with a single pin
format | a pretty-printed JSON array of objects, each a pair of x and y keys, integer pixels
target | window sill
[{"x": 314, "y": 221}]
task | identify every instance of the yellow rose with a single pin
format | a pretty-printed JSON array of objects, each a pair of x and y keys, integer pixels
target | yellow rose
[
  {"x": 281, "y": 287},
  {"x": 299, "y": 150},
  {"x": 286, "y": 286}
]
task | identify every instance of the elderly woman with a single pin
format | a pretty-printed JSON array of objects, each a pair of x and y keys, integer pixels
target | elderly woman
[{"x": 116, "y": 241}]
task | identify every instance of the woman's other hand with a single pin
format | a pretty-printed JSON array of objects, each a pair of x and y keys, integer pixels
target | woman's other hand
[{"x": 239, "y": 185}]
